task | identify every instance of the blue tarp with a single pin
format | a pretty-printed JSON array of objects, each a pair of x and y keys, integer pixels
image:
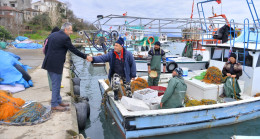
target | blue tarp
[
  {"x": 14, "y": 55},
  {"x": 244, "y": 33},
  {"x": 9, "y": 73},
  {"x": 28, "y": 45},
  {"x": 21, "y": 38}
]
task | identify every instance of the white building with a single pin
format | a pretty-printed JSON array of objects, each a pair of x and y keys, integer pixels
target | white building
[
  {"x": 16, "y": 4},
  {"x": 47, "y": 5}
]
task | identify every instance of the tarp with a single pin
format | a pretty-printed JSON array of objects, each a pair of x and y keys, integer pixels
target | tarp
[
  {"x": 244, "y": 33},
  {"x": 21, "y": 38},
  {"x": 3, "y": 45},
  {"x": 14, "y": 55},
  {"x": 28, "y": 45},
  {"x": 9, "y": 74}
]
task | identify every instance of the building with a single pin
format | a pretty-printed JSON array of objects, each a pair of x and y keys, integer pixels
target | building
[
  {"x": 16, "y": 4},
  {"x": 29, "y": 13},
  {"x": 11, "y": 18},
  {"x": 48, "y": 5}
]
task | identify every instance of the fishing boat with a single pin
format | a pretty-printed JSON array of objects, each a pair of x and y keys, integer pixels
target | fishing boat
[{"x": 136, "y": 124}]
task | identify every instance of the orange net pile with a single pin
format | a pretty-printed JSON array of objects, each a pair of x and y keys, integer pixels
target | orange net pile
[
  {"x": 138, "y": 84},
  {"x": 213, "y": 75},
  {"x": 9, "y": 105}
]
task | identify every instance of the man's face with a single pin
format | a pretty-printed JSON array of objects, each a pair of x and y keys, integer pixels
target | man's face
[
  {"x": 156, "y": 47},
  {"x": 68, "y": 31},
  {"x": 174, "y": 73},
  {"x": 232, "y": 60},
  {"x": 118, "y": 47}
]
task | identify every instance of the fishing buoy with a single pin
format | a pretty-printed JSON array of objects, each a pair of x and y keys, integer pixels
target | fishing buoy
[
  {"x": 171, "y": 66},
  {"x": 83, "y": 113},
  {"x": 76, "y": 81},
  {"x": 151, "y": 37},
  {"x": 76, "y": 89},
  {"x": 26, "y": 76}
]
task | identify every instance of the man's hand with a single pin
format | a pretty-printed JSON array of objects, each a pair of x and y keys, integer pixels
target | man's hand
[
  {"x": 89, "y": 58},
  {"x": 228, "y": 74},
  {"x": 164, "y": 69},
  {"x": 161, "y": 104},
  {"x": 233, "y": 76}
]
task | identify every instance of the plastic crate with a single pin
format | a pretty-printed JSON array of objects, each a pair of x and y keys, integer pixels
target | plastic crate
[{"x": 160, "y": 89}]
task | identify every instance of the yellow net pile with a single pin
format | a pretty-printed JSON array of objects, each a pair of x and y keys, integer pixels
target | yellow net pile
[
  {"x": 190, "y": 103},
  {"x": 9, "y": 105},
  {"x": 213, "y": 75},
  {"x": 257, "y": 95}
]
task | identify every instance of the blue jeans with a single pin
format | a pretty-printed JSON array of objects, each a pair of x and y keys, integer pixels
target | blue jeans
[{"x": 56, "y": 82}]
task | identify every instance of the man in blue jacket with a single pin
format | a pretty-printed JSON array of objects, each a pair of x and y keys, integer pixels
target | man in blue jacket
[
  {"x": 122, "y": 67},
  {"x": 58, "y": 43}
]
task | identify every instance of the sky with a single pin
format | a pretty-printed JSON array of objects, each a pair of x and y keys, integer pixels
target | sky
[{"x": 89, "y": 9}]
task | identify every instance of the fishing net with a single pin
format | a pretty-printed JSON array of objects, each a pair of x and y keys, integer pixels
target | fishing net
[
  {"x": 201, "y": 76},
  {"x": 9, "y": 105},
  {"x": 257, "y": 95},
  {"x": 213, "y": 75},
  {"x": 192, "y": 103},
  {"x": 138, "y": 84},
  {"x": 208, "y": 102},
  {"x": 30, "y": 113}
]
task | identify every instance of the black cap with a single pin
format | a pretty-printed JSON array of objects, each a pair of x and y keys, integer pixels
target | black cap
[
  {"x": 233, "y": 55},
  {"x": 157, "y": 43}
]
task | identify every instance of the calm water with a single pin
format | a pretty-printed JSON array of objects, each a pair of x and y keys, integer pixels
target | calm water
[{"x": 102, "y": 126}]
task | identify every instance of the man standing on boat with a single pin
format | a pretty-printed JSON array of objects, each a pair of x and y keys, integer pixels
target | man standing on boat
[
  {"x": 122, "y": 67},
  {"x": 175, "y": 92},
  {"x": 155, "y": 56},
  {"x": 57, "y": 45}
]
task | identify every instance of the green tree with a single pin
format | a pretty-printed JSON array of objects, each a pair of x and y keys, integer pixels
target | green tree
[
  {"x": 42, "y": 20},
  {"x": 4, "y": 34}
]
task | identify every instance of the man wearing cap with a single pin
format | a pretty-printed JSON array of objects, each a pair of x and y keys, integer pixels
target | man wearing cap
[
  {"x": 122, "y": 67},
  {"x": 175, "y": 92},
  {"x": 233, "y": 71},
  {"x": 155, "y": 56}
]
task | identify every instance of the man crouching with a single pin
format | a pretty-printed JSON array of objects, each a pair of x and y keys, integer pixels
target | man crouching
[{"x": 175, "y": 92}]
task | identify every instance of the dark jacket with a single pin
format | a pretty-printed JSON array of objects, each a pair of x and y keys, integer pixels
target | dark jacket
[
  {"x": 237, "y": 69},
  {"x": 55, "y": 52},
  {"x": 129, "y": 67}
]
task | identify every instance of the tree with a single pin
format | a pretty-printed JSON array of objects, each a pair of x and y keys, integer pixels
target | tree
[
  {"x": 4, "y": 34},
  {"x": 42, "y": 20}
]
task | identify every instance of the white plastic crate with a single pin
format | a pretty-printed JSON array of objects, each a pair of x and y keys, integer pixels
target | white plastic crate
[
  {"x": 145, "y": 94},
  {"x": 133, "y": 104}
]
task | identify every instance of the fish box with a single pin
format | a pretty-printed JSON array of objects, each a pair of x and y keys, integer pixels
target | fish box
[
  {"x": 200, "y": 90},
  {"x": 134, "y": 104},
  {"x": 145, "y": 94}
]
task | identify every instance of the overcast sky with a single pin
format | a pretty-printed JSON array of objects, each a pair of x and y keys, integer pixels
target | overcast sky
[{"x": 89, "y": 9}]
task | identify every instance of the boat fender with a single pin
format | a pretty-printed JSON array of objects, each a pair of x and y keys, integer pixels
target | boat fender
[
  {"x": 76, "y": 89},
  {"x": 26, "y": 76},
  {"x": 76, "y": 81},
  {"x": 171, "y": 66},
  {"x": 151, "y": 37},
  {"x": 83, "y": 112}
]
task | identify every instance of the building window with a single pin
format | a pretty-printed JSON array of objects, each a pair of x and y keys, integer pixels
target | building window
[
  {"x": 36, "y": 7},
  {"x": 12, "y": 5},
  {"x": 5, "y": 4}
]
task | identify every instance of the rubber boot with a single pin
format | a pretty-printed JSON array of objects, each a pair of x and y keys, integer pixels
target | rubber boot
[{"x": 116, "y": 95}]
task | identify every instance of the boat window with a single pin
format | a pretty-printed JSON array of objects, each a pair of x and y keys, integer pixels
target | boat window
[
  {"x": 216, "y": 54},
  {"x": 258, "y": 62},
  {"x": 248, "y": 58},
  {"x": 226, "y": 54}
]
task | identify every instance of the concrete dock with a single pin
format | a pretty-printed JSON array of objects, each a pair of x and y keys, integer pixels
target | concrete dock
[{"x": 56, "y": 127}]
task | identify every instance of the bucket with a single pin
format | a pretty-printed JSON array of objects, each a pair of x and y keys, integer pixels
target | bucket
[{"x": 185, "y": 71}]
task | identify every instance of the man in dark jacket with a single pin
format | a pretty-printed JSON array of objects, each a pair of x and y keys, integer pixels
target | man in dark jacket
[
  {"x": 55, "y": 54},
  {"x": 155, "y": 56},
  {"x": 122, "y": 66}
]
